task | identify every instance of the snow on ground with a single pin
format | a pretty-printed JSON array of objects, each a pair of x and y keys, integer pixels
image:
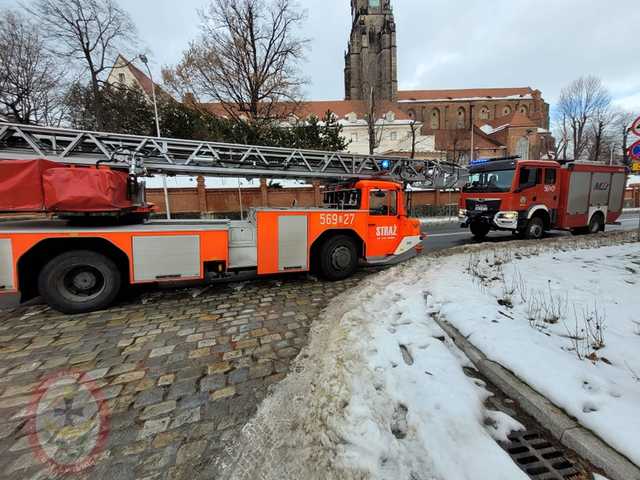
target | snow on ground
[
  {"x": 567, "y": 323},
  {"x": 378, "y": 394}
]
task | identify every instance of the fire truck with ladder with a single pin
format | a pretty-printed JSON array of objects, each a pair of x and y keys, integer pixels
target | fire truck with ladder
[
  {"x": 95, "y": 241},
  {"x": 530, "y": 197}
]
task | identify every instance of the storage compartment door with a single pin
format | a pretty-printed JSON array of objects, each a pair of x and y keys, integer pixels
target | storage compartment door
[
  {"x": 616, "y": 198},
  {"x": 600, "y": 186},
  {"x": 292, "y": 242},
  {"x": 166, "y": 258},
  {"x": 6, "y": 266},
  {"x": 579, "y": 185}
]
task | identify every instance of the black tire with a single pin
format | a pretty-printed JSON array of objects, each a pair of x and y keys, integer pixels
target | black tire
[
  {"x": 596, "y": 224},
  {"x": 479, "y": 230},
  {"x": 338, "y": 258},
  {"x": 79, "y": 281},
  {"x": 534, "y": 229}
]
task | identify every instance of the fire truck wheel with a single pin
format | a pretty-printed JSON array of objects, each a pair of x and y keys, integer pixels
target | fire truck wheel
[
  {"x": 338, "y": 258},
  {"x": 79, "y": 281},
  {"x": 596, "y": 224},
  {"x": 534, "y": 229},
  {"x": 479, "y": 230}
]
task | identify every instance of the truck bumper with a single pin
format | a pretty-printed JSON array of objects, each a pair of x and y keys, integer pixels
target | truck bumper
[
  {"x": 392, "y": 259},
  {"x": 496, "y": 220}
]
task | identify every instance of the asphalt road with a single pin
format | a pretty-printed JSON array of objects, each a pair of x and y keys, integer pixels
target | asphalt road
[{"x": 446, "y": 235}]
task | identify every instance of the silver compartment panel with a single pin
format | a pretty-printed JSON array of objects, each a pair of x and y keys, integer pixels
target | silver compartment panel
[
  {"x": 166, "y": 258},
  {"x": 600, "y": 196},
  {"x": 6, "y": 265},
  {"x": 243, "y": 252},
  {"x": 579, "y": 187},
  {"x": 616, "y": 198},
  {"x": 292, "y": 242}
]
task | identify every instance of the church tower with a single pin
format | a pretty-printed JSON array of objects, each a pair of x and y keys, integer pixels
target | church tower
[{"x": 371, "y": 57}]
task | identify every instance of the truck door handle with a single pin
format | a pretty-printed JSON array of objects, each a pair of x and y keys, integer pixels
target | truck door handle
[{"x": 535, "y": 198}]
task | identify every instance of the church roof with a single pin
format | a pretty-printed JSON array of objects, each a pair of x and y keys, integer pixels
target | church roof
[
  {"x": 340, "y": 108},
  {"x": 467, "y": 94}
]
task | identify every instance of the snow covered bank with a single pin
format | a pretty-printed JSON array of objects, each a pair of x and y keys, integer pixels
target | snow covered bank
[{"x": 565, "y": 322}]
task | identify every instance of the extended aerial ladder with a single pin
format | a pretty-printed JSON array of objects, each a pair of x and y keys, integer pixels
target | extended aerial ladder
[{"x": 146, "y": 155}]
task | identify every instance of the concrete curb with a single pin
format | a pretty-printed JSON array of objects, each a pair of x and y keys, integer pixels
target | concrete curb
[{"x": 564, "y": 428}]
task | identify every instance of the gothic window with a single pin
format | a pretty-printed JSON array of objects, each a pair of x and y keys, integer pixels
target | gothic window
[
  {"x": 374, "y": 3},
  {"x": 523, "y": 148},
  {"x": 523, "y": 109},
  {"x": 435, "y": 119},
  {"x": 460, "y": 120},
  {"x": 484, "y": 113},
  {"x": 412, "y": 114},
  {"x": 121, "y": 77},
  {"x": 506, "y": 110}
]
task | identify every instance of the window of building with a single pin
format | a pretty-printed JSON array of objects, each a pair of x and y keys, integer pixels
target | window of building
[
  {"x": 435, "y": 119},
  {"x": 523, "y": 148},
  {"x": 460, "y": 121},
  {"x": 374, "y": 3},
  {"x": 393, "y": 136},
  {"x": 550, "y": 176},
  {"x": 121, "y": 77},
  {"x": 523, "y": 109},
  {"x": 506, "y": 110},
  {"x": 383, "y": 203},
  {"x": 484, "y": 113}
]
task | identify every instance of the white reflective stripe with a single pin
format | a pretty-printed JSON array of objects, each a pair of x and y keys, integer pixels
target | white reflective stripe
[
  {"x": 407, "y": 244},
  {"x": 6, "y": 265}
]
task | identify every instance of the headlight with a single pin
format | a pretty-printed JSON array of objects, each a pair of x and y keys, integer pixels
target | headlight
[
  {"x": 508, "y": 215},
  {"x": 462, "y": 212}
]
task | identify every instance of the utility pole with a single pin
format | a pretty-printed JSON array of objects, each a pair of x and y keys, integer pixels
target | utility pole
[{"x": 145, "y": 60}]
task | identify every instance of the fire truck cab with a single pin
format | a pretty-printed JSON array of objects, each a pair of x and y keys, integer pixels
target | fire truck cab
[
  {"x": 78, "y": 268},
  {"x": 529, "y": 197}
]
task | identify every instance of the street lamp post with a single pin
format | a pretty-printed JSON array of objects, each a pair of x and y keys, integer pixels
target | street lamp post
[{"x": 145, "y": 60}]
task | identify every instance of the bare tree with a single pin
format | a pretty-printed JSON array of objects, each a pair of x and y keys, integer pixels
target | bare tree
[
  {"x": 30, "y": 80},
  {"x": 246, "y": 59},
  {"x": 88, "y": 33},
  {"x": 579, "y": 103}
]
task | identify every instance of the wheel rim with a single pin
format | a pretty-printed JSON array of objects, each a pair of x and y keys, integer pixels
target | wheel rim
[
  {"x": 82, "y": 283},
  {"x": 595, "y": 226},
  {"x": 341, "y": 258},
  {"x": 536, "y": 230}
]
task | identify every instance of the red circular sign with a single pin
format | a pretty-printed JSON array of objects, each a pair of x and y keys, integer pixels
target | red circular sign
[{"x": 635, "y": 127}]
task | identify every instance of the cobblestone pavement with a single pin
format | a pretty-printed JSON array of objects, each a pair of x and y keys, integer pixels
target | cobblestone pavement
[{"x": 179, "y": 376}]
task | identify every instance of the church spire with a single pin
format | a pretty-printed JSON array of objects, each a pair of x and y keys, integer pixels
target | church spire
[{"x": 371, "y": 58}]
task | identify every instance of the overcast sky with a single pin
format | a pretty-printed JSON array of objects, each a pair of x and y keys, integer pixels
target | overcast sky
[{"x": 448, "y": 43}]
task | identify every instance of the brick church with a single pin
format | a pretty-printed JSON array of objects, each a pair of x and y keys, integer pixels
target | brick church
[{"x": 506, "y": 121}]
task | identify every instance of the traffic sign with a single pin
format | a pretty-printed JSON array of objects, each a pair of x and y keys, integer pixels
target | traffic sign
[
  {"x": 635, "y": 127},
  {"x": 635, "y": 167},
  {"x": 634, "y": 151}
]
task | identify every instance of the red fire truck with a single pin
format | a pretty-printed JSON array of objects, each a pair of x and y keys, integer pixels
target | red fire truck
[
  {"x": 78, "y": 266},
  {"x": 530, "y": 197}
]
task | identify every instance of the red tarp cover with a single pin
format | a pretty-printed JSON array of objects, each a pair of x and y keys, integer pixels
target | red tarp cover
[
  {"x": 40, "y": 185},
  {"x": 85, "y": 190},
  {"x": 21, "y": 185}
]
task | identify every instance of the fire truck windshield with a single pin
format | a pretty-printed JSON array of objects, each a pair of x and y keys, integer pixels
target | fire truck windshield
[{"x": 490, "y": 181}]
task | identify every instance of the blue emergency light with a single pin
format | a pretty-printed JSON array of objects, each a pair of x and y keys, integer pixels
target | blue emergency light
[
  {"x": 479, "y": 161},
  {"x": 385, "y": 164}
]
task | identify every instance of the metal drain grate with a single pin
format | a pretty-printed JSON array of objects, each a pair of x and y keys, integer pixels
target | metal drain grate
[{"x": 540, "y": 459}]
